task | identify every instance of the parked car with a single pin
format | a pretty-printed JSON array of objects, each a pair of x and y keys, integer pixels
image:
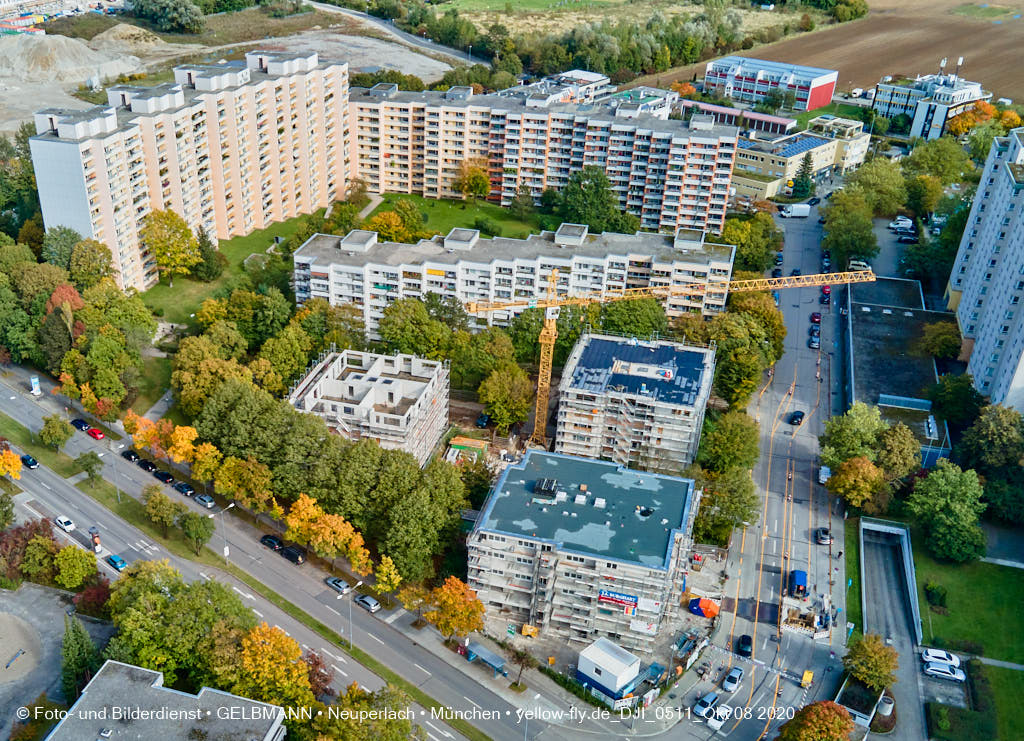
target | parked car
[
  {"x": 732, "y": 680},
  {"x": 29, "y": 462},
  {"x": 706, "y": 704},
  {"x": 206, "y": 500},
  {"x": 163, "y": 477},
  {"x": 777, "y": 273},
  {"x": 908, "y": 239},
  {"x": 814, "y": 201},
  {"x": 796, "y": 418},
  {"x": 95, "y": 434},
  {"x": 368, "y": 603},
  {"x": 64, "y": 523},
  {"x": 778, "y": 258},
  {"x": 816, "y": 317},
  {"x": 944, "y": 671},
  {"x": 826, "y": 262},
  {"x": 294, "y": 554},
  {"x": 272, "y": 542},
  {"x": 117, "y": 562},
  {"x": 182, "y": 488},
  {"x": 338, "y": 585},
  {"x": 815, "y": 330},
  {"x": 814, "y": 343},
  {"x": 821, "y": 219},
  {"x": 900, "y": 221},
  {"x": 483, "y": 420},
  {"x": 745, "y": 646},
  {"x": 938, "y": 656},
  {"x": 795, "y": 271},
  {"x": 145, "y": 465},
  {"x": 823, "y": 536},
  {"x": 825, "y": 300},
  {"x": 81, "y": 424},
  {"x": 131, "y": 456},
  {"x": 718, "y": 717},
  {"x": 826, "y": 290}
]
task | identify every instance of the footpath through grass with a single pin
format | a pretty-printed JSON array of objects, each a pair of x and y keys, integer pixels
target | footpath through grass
[
  {"x": 444, "y": 215},
  {"x": 23, "y": 438}
]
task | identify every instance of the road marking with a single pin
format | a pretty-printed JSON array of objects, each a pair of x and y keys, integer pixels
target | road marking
[
  {"x": 775, "y": 526},
  {"x": 46, "y": 485},
  {"x": 375, "y": 638},
  {"x": 471, "y": 702},
  {"x": 439, "y": 730},
  {"x": 422, "y": 669},
  {"x": 258, "y": 613},
  {"x": 333, "y": 610},
  {"x": 338, "y": 669},
  {"x": 304, "y": 646},
  {"x": 335, "y": 656},
  {"x": 433, "y": 736}
]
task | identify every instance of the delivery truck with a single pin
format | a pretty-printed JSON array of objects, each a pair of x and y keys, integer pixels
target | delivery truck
[
  {"x": 796, "y": 211},
  {"x": 797, "y": 583}
]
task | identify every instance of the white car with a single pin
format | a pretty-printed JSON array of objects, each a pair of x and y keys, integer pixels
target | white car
[
  {"x": 718, "y": 717},
  {"x": 901, "y": 222},
  {"x": 64, "y": 523},
  {"x": 944, "y": 671},
  {"x": 706, "y": 704},
  {"x": 733, "y": 679},
  {"x": 938, "y": 656}
]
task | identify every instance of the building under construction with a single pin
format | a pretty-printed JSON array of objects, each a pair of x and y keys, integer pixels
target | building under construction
[{"x": 635, "y": 403}]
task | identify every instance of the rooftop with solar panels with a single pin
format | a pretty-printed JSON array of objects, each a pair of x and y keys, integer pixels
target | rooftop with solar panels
[{"x": 786, "y": 146}]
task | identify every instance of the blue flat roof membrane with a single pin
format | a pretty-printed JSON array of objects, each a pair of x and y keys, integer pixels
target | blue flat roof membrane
[
  {"x": 664, "y": 373},
  {"x": 800, "y": 144}
]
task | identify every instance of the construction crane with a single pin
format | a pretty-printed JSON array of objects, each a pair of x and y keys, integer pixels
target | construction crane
[{"x": 553, "y": 302}]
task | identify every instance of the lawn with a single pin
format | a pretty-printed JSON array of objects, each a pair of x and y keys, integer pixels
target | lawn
[
  {"x": 852, "y": 557},
  {"x": 20, "y": 436},
  {"x": 982, "y": 11},
  {"x": 156, "y": 378},
  {"x": 1008, "y": 689},
  {"x": 843, "y": 110},
  {"x": 443, "y": 215},
  {"x": 983, "y": 603},
  {"x": 177, "y": 304}
]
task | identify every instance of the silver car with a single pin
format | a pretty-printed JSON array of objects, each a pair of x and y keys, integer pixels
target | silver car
[
  {"x": 938, "y": 656},
  {"x": 733, "y": 679},
  {"x": 944, "y": 671},
  {"x": 368, "y": 603}
]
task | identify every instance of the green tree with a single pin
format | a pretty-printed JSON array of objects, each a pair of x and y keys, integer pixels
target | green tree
[
  {"x": 941, "y": 339},
  {"x": 90, "y": 262},
  {"x": 211, "y": 261},
  {"x": 995, "y": 439},
  {"x": 979, "y": 141},
  {"x": 522, "y": 206},
  {"x": 899, "y": 453},
  {"x": 412, "y": 219},
  {"x": 820, "y": 721},
  {"x": 642, "y": 317},
  {"x": 171, "y": 16},
  {"x": 853, "y": 434},
  {"x": 759, "y": 307},
  {"x": 472, "y": 181},
  {"x": 756, "y": 238},
  {"x": 524, "y": 660},
  {"x": 360, "y": 714},
  {"x": 58, "y": 245},
  {"x": 729, "y": 441},
  {"x": 955, "y": 399},
  {"x": 803, "y": 183},
  {"x": 6, "y": 510},
  {"x": 446, "y": 309},
  {"x": 170, "y": 242},
  {"x": 588, "y": 199},
  {"x": 161, "y": 509},
  {"x": 881, "y": 183},
  {"x": 37, "y": 564},
  {"x": 288, "y": 352},
  {"x": 407, "y": 328},
  {"x": 92, "y": 464},
  {"x": 506, "y": 395},
  {"x": 947, "y": 504},
  {"x": 849, "y": 231},
  {"x": 923, "y": 194},
  {"x": 79, "y": 658},
  {"x": 74, "y": 566},
  {"x": 943, "y": 158},
  {"x": 872, "y": 662},
  {"x": 56, "y": 431},
  {"x": 729, "y": 501},
  {"x": 197, "y": 528}
]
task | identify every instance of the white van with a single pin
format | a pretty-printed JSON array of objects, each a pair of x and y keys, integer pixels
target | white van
[
  {"x": 824, "y": 473},
  {"x": 859, "y": 265}
]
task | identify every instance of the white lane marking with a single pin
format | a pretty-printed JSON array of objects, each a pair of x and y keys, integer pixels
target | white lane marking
[
  {"x": 333, "y": 610},
  {"x": 238, "y": 590},
  {"x": 433, "y": 736},
  {"x": 771, "y": 591},
  {"x": 33, "y": 510},
  {"x": 46, "y": 485},
  {"x": 375, "y": 638},
  {"x": 422, "y": 669},
  {"x": 471, "y": 702},
  {"x": 335, "y": 656},
  {"x": 443, "y": 733},
  {"x": 338, "y": 669},
  {"x": 260, "y": 614},
  {"x": 775, "y": 546},
  {"x": 304, "y": 646},
  {"x": 775, "y": 526}
]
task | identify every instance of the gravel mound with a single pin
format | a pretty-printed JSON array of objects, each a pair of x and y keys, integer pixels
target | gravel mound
[
  {"x": 125, "y": 37},
  {"x": 54, "y": 58}
]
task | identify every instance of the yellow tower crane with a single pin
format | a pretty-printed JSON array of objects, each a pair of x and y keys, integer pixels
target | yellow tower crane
[{"x": 554, "y": 301}]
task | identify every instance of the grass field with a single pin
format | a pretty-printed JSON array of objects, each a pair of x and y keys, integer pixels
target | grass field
[
  {"x": 852, "y": 558},
  {"x": 156, "y": 378},
  {"x": 1008, "y": 688},
  {"x": 983, "y": 10},
  {"x": 843, "y": 110},
  {"x": 177, "y": 303},
  {"x": 443, "y": 216},
  {"x": 20, "y": 436}
]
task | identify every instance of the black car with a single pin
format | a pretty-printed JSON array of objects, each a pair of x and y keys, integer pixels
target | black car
[
  {"x": 81, "y": 424},
  {"x": 814, "y": 342},
  {"x": 131, "y": 456},
  {"x": 29, "y": 462},
  {"x": 829, "y": 195},
  {"x": 272, "y": 542},
  {"x": 163, "y": 477},
  {"x": 777, "y": 273},
  {"x": 814, "y": 201},
  {"x": 908, "y": 239},
  {"x": 796, "y": 418},
  {"x": 815, "y": 330},
  {"x": 821, "y": 219},
  {"x": 825, "y": 300},
  {"x": 795, "y": 271},
  {"x": 183, "y": 488},
  {"x": 745, "y": 646},
  {"x": 296, "y": 555},
  {"x": 145, "y": 465}
]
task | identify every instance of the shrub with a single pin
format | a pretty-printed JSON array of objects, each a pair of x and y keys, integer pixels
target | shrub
[
  {"x": 935, "y": 594},
  {"x": 93, "y": 600},
  {"x": 487, "y": 226},
  {"x": 572, "y": 685}
]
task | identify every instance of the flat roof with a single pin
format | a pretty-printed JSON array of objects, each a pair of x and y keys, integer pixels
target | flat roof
[
  {"x": 768, "y": 64},
  {"x": 326, "y": 248},
  {"x": 787, "y": 146},
  {"x": 621, "y": 515},
  {"x": 668, "y": 372}
]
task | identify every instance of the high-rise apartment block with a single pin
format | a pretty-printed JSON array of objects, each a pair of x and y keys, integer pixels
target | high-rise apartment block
[
  {"x": 360, "y": 270},
  {"x": 634, "y": 402},
  {"x": 752, "y": 80},
  {"x": 231, "y": 148},
  {"x": 929, "y": 100},
  {"x": 986, "y": 287},
  {"x": 401, "y": 401},
  {"x": 669, "y": 173},
  {"x": 583, "y": 549}
]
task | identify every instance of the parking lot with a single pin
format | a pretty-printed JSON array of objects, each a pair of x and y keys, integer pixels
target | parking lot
[{"x": 940, "y": 690}]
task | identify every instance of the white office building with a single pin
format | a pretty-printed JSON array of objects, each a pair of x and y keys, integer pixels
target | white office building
[{"x": 929, "y": 100}]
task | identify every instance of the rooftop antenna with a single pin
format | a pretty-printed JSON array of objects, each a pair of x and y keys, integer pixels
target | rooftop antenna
[
  {"x": 959, "y": 64},
  {"x": 942, "y": 66}
]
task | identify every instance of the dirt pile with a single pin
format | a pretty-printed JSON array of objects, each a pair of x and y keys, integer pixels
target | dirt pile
[
  {"x": 126, "y": 38},
  {"x": 54, "y": 58}
]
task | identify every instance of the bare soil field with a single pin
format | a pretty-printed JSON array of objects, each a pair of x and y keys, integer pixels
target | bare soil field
[{"x": 905, "y": 37}]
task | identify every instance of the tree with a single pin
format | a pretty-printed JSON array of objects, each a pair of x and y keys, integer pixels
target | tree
[
  {"x": 849, "y": 231},
  {"x": 412, "y": 219},
  {"x": 759, "y": 307},
  {"x": 923, "y": 194},
  {"x": 170, "y": 242},
  {"x": 388, "y": 226},
  {"x": 803, "y": 183},
  {"x": 882, "y": 185},
  {"x": 415, "y": 597},
  {"x": 10, "y": 463},
  {"x": 407, "y": 328},
  {"x": 79, "y": 658},
  {"x": 472, "y": 181},
  {"x": 91, "y": 262},
  {"x": 92, "y": 464},
  {"x": 872, "y": 662},
  {"x": 37, "y": 564},
  {"x": 456, "y": 609},
  {"x": 506, "y": 395},
  {"x": 321, "y": 676},
  {"x": 947, "y": 504},
  {"x": 197, "y": 528},
  {"x": 6, "y": 510},
  {"x": 58, "y": 245},
  {"x": 943, "y": 158},
  {"x": 75, "y": 566},
  {"x": 524, "y": 660},
  {"x": 588, "y": 199},
  {"x": 211, "y": 261},
  {"x": 175, "y": 16},
  {"x": 756, "y": 238},
  {"x": 995, "y": 439},
  {"x": 642, "y": 317},
  {"x": 684, "y": 89},
  {"x": 247, "y": 481},
  {"x": 181, "y": 446},
  {"x": 853, "y": 434},
  {"x": 857, "y": 480},
  {"x": 941, "y": 339},
  {"x": 272, "y": 669},
  {"x": 358, "y": 714},
  {"x": 388, "y": 578},
  {"x": 729, "y": 441},
  {"x": 206, "y": 459},
  {"x": 56, "y": 431},
  {"x": 820, "y": 721},
  {"x": 899, "y": 452},
  {"x": 522, "y": 204},
  {"x": 160, "y": 508},
  {"x": 729, "y": 501}
]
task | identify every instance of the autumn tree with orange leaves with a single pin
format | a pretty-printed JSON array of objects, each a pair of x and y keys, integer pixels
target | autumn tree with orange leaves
[
  {"x": 819, "y": 721},
  {"x": 272, "y": 669},
  {"x": 456, "y": 609},
  {"x": 328, "y": 535}
]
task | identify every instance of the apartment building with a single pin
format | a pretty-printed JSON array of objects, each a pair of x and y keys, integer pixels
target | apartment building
[
  {"x": 987, "y": 283},
  {"x": 574, "y": 86},
  {"x": 852, "y": 142},
  {"x": 635, "y": 403},
  {"x": 752, "y": 80},
  {"x": 929, "y": 100},
  {"x": 231, "y": 147},
  {"x": 401, "y": 401},
  {"x": 360, "y": 270},
  {"x": 583, "y": 549},
  {"x": 671, "y": 174},
  {"x": 643, "y": 100}
]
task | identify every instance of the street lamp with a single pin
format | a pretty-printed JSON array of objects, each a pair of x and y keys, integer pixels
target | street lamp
[
  {"x": 353, "y": 590},
  {"x": 471, "y": 52},
  {"x": 114, "y": 464},
  {"x": 223, "y": 534}
]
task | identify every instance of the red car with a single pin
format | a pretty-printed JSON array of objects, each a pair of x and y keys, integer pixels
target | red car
[
  {"x": 816, "y": 317},
  {"x": 826, "y": 290},
  {"x": 95, "y": 434}
]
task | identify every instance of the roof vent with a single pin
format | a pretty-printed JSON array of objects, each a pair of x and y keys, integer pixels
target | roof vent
[
  {"x": 644, "y": 512},
  {"x": 599, "y": 503},
  {"x": 580, "y": 499},
  {"x": 105, "y": 733}
]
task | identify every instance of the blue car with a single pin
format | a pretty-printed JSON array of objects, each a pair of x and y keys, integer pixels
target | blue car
[
  {"x": 117, "y": 562},
  {"x": 29, "y": 462},
  {"x": 81, "y": 424}
]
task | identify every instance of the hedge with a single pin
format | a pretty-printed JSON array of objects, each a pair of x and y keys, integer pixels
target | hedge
[{"x": 979, "y": 723}]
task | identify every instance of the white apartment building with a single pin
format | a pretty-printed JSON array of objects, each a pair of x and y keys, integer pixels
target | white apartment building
[
  {"x": 929, "y": 100},
  {"x": 231, "y": 147},
  {"x": 358, "y": 269},
  {"x": 671, "y": 174},
  {"x": 401, "y": 401},
  {"x": 638, "y": 403},
  {"x": 986, "y": 286},
  {"x": 583, "y": 549}
]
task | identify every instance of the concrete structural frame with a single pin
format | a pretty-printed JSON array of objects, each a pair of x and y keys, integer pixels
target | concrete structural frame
[
  {"x": 929, "y": 100},
  {"x": 670, "y": 174},
  {"x": 230, "y": 148},
  {"x": 986, "y": 286},
  {"x": 583, "y": 549},
  {"x": 401, "y": 401},
  {"x": 637, "y": 403},
  {"x": 357, "y": 269},
  {"x": 752, "y": 80}
]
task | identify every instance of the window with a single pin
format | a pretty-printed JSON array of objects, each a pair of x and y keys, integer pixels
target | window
[
  {"x": 1005, "y": 329},
  {"x": 999, "y": 344}
]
